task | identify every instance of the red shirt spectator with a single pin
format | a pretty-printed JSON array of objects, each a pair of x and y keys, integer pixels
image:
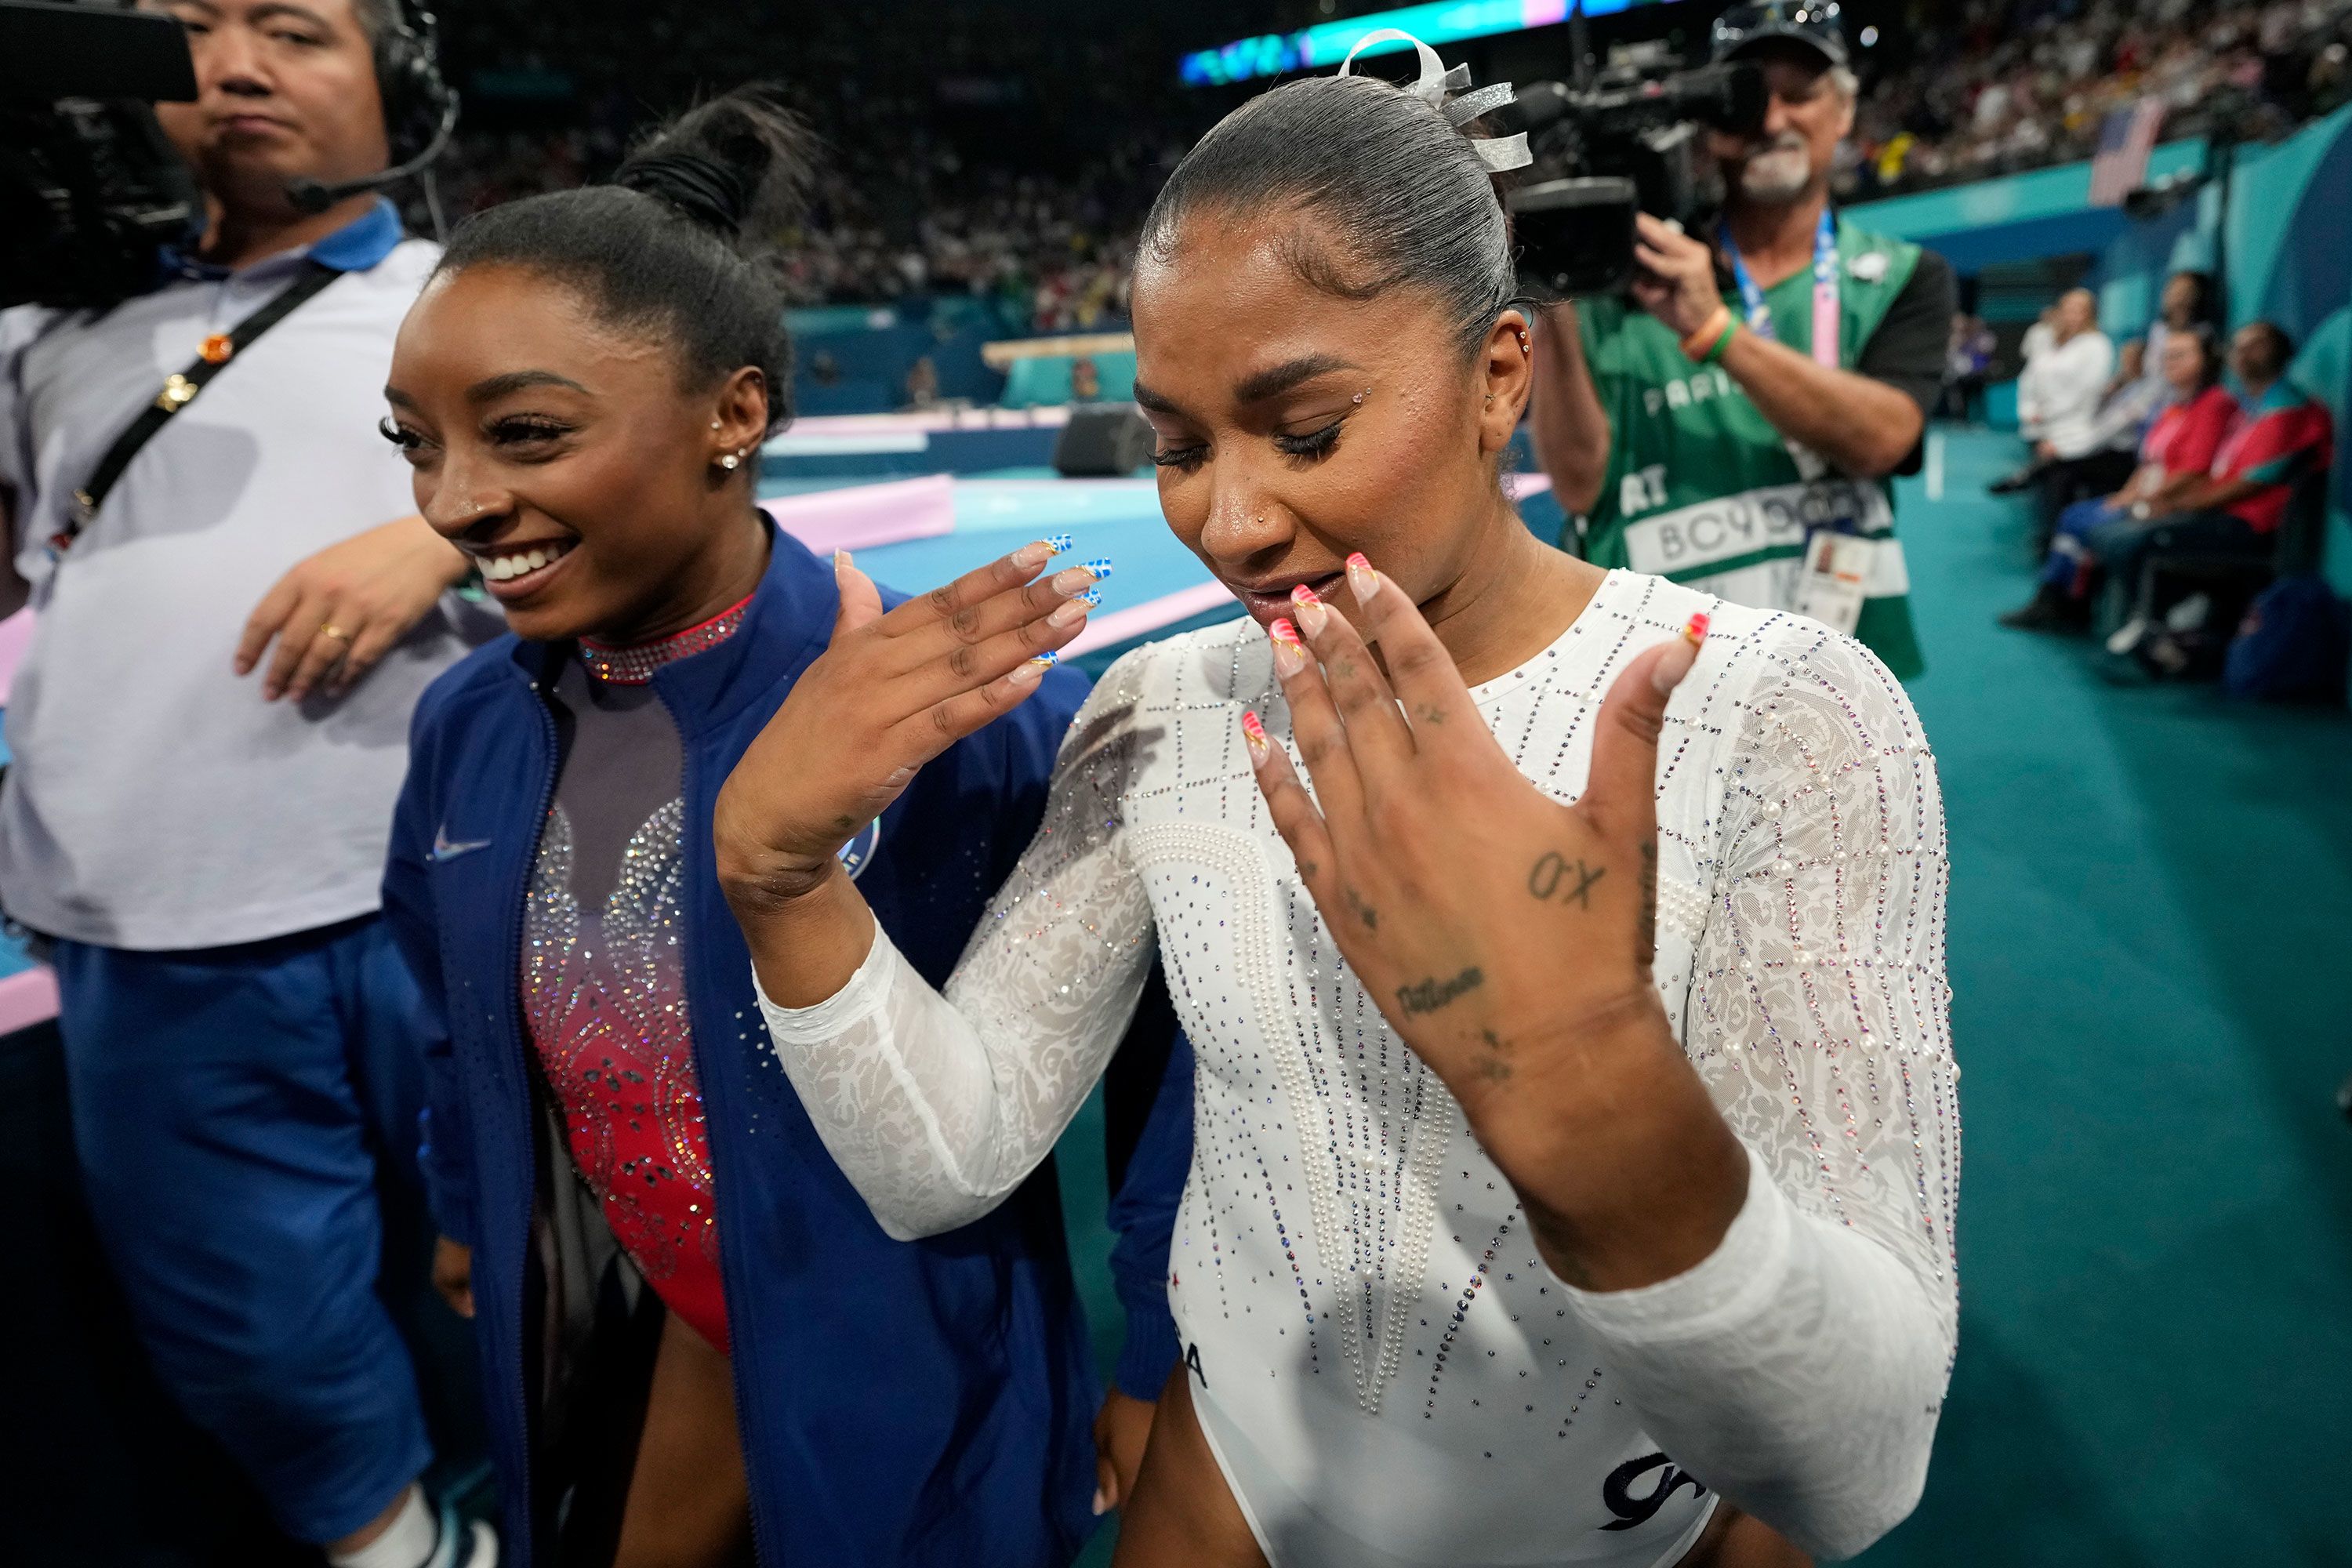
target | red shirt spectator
[
  {"x": 2284, "y": 436},
  {"x": 2186, "y": 436}
]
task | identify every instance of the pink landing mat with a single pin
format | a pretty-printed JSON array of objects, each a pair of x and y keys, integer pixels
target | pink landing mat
[
  {"x": 860, "y": 517},
  {"x": 27, "y": 997}
]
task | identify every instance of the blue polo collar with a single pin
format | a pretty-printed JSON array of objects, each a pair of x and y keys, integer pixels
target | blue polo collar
[{"x": 355, "y": 248}]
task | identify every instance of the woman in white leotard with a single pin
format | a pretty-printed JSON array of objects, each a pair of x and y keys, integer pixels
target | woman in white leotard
[{"x": 1574, "y": 1183}]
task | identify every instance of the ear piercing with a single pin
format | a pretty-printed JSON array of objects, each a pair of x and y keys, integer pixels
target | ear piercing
[
  {"x": 714, "y": 424},
  {"x": 733, "y": 459}
]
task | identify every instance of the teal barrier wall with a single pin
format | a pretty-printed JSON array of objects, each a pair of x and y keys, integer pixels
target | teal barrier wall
[{"x": 2019, "y": 217}]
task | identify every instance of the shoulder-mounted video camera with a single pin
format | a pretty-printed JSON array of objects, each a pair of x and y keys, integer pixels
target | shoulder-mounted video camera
[
  {"x": 91, "y": 189},
  {"x": 1629, "y": 141}
]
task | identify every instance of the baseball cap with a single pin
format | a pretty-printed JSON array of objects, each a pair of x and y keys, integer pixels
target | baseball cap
[{"x": 1813, "y": 23}]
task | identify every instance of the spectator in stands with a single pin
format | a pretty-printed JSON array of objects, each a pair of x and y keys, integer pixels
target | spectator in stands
[
  {"x": 2058, "y": 401},
  {"x": 2187, "y": 306},
  {"x": 643, "y": 1223},
  {"x": 923, "y": 383},
  {"x": 1699, "y": 424},
  {"x": 2176, "y": 453},
  {"x": 1967, "y": 360},
  {"x": 1085, "y": 381},
  {"x": 2282, "y": 435},
  {"x": 240, "y": 1038}
]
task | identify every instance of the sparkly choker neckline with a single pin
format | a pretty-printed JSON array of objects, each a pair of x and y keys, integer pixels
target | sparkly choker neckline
[{"x": 633, "y": 664}]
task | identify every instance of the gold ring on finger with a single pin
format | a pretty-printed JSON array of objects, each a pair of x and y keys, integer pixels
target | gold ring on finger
[{"x": 329, "y": 629}]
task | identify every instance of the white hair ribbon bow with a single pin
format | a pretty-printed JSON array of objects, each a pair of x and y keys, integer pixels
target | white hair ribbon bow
[{"x": 1499, "y": 152}]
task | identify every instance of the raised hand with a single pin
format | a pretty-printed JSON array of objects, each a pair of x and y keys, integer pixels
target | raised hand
[
  {"x": 1506, "y": 937},
  {"x": 890, "y": 692}
]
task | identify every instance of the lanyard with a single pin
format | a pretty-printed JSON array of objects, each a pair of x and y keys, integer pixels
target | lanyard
[{"x": 1826, "y": 292}]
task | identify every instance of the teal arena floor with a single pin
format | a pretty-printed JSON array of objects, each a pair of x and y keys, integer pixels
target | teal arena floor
[{"x": 2152, "y": 903}]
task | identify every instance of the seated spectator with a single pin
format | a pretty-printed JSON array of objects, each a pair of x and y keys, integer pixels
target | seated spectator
[
  {"x": 2176, "y": 452},
  {"x": 1085, "y": 381},
  {"x": 2059, "y": 399},
  {"x": 2280, "y": 434}
]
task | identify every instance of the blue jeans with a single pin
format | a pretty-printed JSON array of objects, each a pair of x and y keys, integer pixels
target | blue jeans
[
  {"x": 234, "y": 1111},
  {"x": 2065, "y": 567},
  {"x": 2124, "y": 544}
]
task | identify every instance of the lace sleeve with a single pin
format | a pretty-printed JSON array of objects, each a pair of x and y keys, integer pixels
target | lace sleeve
[
  {"x": 1800, "y": 1368},
  {"x": 936, "y": 1107}
]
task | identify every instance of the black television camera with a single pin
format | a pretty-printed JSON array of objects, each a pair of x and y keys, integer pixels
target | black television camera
[
  {"x": 1629, "y": 141},
  {"x": 90, "y": 189}
]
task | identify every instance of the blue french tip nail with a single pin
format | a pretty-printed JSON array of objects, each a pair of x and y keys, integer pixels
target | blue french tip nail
[
  {"x": 1100, "y": 567},
  {"x": 1092, "y": 598},
  {"x": 1046, "y": 660},
  {"x": 1058, "y": 543}
]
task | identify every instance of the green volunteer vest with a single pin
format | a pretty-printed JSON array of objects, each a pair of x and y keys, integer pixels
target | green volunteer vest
[{"x": 1702, "y": 490}]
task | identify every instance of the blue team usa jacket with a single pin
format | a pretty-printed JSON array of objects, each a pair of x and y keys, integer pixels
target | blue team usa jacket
[{"x": 900, "y": 1403}]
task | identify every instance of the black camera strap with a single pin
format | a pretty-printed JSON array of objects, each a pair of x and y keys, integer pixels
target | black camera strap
[{"x": 180, "y": 390}]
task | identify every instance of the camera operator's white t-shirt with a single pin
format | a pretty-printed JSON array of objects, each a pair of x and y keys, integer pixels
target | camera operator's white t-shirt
[{"x": 153, "y": 800}]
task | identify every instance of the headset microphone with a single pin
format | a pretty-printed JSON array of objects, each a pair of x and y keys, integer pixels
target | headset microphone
[
  {"x": 313, "y": 197},
  {"x": 408, "y": 74}
]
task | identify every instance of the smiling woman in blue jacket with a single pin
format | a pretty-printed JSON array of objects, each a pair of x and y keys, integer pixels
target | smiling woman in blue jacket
[{"x": 698, "y": 1346}]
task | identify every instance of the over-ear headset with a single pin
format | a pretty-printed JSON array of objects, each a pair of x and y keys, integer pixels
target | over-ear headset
[{"x": 420, "y": 108}]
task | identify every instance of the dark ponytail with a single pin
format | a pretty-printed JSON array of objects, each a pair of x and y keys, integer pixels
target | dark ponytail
[
  {"x": 1404, "y": 192},
  {"x": 678, "y": 244}
]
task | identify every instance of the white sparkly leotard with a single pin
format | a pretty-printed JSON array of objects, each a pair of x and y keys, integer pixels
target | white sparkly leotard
[{"x": 1387, "y": 1373}]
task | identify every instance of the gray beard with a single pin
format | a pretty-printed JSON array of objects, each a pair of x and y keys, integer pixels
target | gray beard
[{"x": 1776, "y": 176}]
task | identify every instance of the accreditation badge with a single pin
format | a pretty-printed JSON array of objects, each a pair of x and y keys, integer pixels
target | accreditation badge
[{"x": 1835, "y": 580}]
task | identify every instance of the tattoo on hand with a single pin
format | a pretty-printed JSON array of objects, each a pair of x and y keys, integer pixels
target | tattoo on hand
[
  {"x": 1428, "y": 713},
  {"x": 1431, "y": 994},
  {"x": 1553, "y": 870},
  {"x": 1492, "y": 1067},
  {"x": 1364, "y": 912}
]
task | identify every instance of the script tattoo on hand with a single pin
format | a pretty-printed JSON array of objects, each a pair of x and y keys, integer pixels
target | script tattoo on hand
[
  {"x": 1430, "y": 995},
  {"x": 1555, "y": 872}
]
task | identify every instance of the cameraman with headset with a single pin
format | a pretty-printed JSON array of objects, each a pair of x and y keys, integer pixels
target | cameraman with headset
[
  {"x": 190, "y": 476},
  {"x": 1734, "y": 425}
]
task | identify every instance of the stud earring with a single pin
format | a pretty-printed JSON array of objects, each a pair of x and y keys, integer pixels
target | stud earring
[
  {"x": 730, "y": 462},
  {"x": 714, "y": 424},
  {"x": 1357, "y": 398}
]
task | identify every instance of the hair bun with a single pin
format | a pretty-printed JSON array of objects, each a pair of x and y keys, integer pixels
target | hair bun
[
  {"x": 737, "y": 165},
  {"x": 704, "y": 189}
]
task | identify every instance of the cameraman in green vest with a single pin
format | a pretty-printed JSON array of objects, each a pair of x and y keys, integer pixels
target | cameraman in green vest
[{"x": 1734, "y": 424}]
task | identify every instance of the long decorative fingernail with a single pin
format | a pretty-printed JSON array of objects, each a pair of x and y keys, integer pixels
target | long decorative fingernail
[
  {"x": 1074, "y": 612},
  {"x": 1072, "y": 580},
  {"x": 1254, "y": 732},
  {"x": 1674, "y": 663},
  {"x": 1311, "y": 613},
  {"x": 1289, "y": 653},
  {"x": 1032, "y": 670},
  {"x": 1030, "y": 556},
  {"x": 1102, "y": 1503},
  {"x": 1695, "y": 629},
  {"x": 1362, "y": 581},
  {"x": 840, "y": 560},
  {"x": 1100, "y": 566}
]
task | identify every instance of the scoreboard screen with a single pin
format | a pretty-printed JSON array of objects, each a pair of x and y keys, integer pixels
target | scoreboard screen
[{"x": 1324, "y": 46}]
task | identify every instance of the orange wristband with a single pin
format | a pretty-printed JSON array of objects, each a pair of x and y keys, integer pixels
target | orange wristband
[{"x": 1703, "y": 345}]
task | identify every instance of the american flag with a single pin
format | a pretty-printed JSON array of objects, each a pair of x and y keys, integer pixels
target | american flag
[{"x": 2126, "y": 139}]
